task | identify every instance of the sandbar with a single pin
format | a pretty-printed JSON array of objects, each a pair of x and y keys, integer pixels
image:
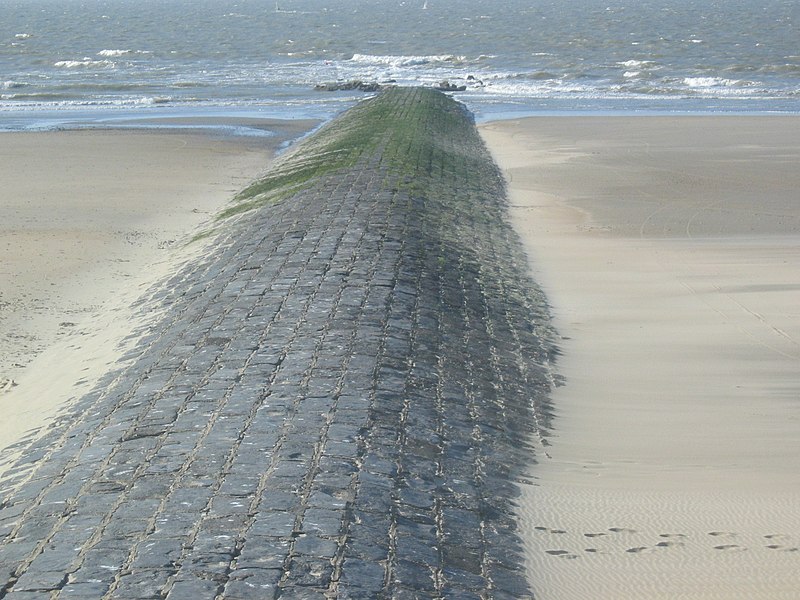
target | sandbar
[{"x": 669, "y": 248}]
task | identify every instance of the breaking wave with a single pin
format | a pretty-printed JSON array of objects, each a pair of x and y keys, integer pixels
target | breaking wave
[
  {"x": 85, "y": 62},
  {"x": 12, "y": 85},
  {"x": 711, "y": 82},
  {"x": 118, "y": 53}
]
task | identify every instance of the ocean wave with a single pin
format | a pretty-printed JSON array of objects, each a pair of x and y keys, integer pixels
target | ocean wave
[
  {"x": 23, "y": 36},
  {"x": 522, "y": 85},
  {"x": 784, "y": 69},
  {"x": 767, "y": 69},
  {"x": 153, "y": 100},
  {"x": 85, "y": 62},
  {"x": 12, "y": 85},
  {"x": 408, "y": 61},
  {"x": 56, "y": 101},
  {"x": 189, "y": 84},
  {"x": 541, "y": 75},
  {"x": 643, "y": 89},
  {"x": 113, "y": 53},
  {"x": 528, "y": 88},
  {"x": 636, "y": 64},
  {"x": 524, "y": 76},
  {"x": 38, "y": 98},
  {"x": 711, "y": 82},
  {"x": 118, "y": 53}
]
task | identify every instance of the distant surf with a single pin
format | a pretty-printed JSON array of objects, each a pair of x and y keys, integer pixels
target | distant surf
[{"x": 515, "y": 56}]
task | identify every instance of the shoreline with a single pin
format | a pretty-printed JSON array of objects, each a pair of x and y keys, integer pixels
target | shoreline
[
  {"x": 667, "y": 247},
  {"x": 93, "y": 218}
]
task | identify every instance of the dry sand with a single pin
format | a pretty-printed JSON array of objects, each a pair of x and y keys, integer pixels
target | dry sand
[
  {"x": 88, "y": 221},
  {"x": 670, "y": 251}
]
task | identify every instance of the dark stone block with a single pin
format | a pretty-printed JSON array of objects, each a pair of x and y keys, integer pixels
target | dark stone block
[
  {"x": 322, "y": 521},
  {"x": 187, "y": 587},
  {"x": 309, "y": 572},
  {"x": 247, "y": 584},
  {"x": 316, "y": 547},
  {"x": 273, "y": 524}
]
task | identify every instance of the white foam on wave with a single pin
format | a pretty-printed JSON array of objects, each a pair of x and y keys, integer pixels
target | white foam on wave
[
  {"x": 112, "y": 53},
  {"x": 23, "y": 36},
  {"x": 118, "y": 53},
  {"x": 636, "y": 64},
  {"x": 710, "y": 82},
  {"x": 151, "y": 100},
  {"x": 516, "y": 86},
  {"x": 636, "y": 85},
  {"x": 85, "y": 62},
  {"x": 12, "y": 85},
  {"x": 53, "y": 102}
]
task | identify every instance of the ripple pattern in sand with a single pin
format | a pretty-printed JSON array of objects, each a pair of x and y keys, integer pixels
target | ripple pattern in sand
[{"x": 604, "y": 547}]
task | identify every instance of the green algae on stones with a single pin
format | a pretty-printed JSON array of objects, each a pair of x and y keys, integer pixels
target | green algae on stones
[{"x": 413, "y": 127}]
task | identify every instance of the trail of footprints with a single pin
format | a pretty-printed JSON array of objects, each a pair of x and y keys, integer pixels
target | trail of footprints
[{"x": 622, "y": 539}]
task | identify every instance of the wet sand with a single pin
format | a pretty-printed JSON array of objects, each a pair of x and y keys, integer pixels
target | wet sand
[
  {"x": 670, "y": 251},
  {"x": 89, "y": 220}
]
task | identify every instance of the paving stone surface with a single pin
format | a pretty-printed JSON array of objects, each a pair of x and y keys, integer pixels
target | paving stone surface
[{"x": 337, "y": 401}]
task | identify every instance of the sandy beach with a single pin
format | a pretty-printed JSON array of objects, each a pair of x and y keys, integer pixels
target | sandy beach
[
  {"x": 89, "y": 220},
  {"x": 669, "y": 249}
]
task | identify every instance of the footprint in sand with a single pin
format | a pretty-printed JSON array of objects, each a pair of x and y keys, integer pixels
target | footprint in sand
[
  {"x": 562, "y": 553},
  {"x": 594, "y": 535},
  {"x": 783, "y": 548},
  {"x": 659, "y": 546},
  {"x": 724, "y": 534},
  {"x": 781, "y": 537},
  {"x": 548, "y": 530},
  {"x": 621, "y": 530},
  {"x": 681, "y": 536},
  {"x": 6, "y": 384},
  {"x": 730, "y": 548},
  {"x": 726, "y": 547}
]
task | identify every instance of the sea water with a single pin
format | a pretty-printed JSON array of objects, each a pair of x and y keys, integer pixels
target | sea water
[{"x": 78, "y": 60}]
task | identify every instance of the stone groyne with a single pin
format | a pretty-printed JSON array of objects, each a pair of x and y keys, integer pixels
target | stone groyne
[{"x": 337, "y": 401}]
